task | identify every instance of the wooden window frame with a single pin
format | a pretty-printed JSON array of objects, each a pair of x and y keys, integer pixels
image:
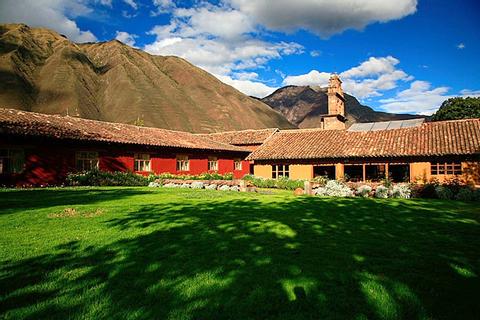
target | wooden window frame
[
  {"x": 183, "y": 163},
  {"x": 280, "y": 170},
  {"x": 89, "y": 160},
  {"x": 446, "y": 168},
  {"x": 237, "y": 164},
  {"x": 212, "y": 164},
  {"x": 142, "y": 162},
  {"x": 12, "y": 160}
]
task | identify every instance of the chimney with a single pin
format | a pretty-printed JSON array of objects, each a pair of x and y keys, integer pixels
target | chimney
[{"x": 336, "y": 99}]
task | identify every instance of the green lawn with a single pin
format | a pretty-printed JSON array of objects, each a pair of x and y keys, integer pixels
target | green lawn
[{"x": 139, "y": 253}]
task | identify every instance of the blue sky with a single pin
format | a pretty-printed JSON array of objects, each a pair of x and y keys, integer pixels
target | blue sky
[{"x": 398, "y": 56}]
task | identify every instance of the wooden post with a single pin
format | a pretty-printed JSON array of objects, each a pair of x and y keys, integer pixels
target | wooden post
[
  {"x": 386, "y": 171},
  {"x": 308, "y": 187},
  {"x": 364, "y": 171},
  {"x": 243, "y": 185}
]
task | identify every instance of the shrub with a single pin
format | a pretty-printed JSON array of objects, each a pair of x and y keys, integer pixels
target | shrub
[
  {"x": 465, "y": 194},
  {"x": 334, "y": 188},
  {"x": 280, "y": 183},
  {"x": 105, "y": 178},
  {"x": 364, "y": 191},
  {"x": 427, "y": 190},
  {"x": 401, "y": 191},
  {"x": 202, "y": 176},
  {"x": 185, "y": 185},
  {"x": 381, "y": 192},
  {"x": 476, "y": 195},
  {"x": 443, "y": 192},
  {"x": 234, "y": 188},
  {"x": 170, "y": 185},
  {"x": 211, "y": 187},
  {"x": 320, "y": 180}
]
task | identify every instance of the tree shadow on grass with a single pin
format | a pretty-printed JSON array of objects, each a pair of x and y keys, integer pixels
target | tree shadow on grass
[
  {"x": 303, "y": 258},
  {"x": 14, "y": 200}
]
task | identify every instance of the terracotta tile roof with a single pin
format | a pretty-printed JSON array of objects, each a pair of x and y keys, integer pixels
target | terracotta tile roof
[
  {"x": 242, "y": 137},
  {"x": 64, "y": 127},
  {"x": 459, "y": 137}
]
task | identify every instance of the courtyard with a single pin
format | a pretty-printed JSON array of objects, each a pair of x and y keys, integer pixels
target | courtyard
[{"x": 144, "y": 253}]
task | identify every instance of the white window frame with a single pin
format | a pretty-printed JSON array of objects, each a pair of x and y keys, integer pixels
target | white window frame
[
  {"x": 280, "y": 170},
  {"x": 237, "y": 164},
  {"x": 86, "y": 160},
  {"x": 212, "y": 164},
  {"x": 183, "y": 163},
  {"x": 12, "y": 161},
  {"x": 142, "y": 162}
]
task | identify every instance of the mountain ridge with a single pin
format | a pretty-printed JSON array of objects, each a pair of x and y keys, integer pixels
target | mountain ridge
[
  {"x": 303, "y": 106},
  {"x": 42, "y": 71}
]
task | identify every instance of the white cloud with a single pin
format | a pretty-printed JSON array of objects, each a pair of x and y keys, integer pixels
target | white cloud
[
  {"x": 248, "y": 87},
  {"x": 125, "y": 37},
  {"x": 323, "y": 17},
  {"x": 372, "y": 67},
  {"x": 216, "y": 39},
  {"x": 313, "y": 78},
  {"x": 131, "y": 3},
  {"x": 162, "y": 7},
  {"x": 461, "y": 46},
  {"x": 369, "y": 79},
  {"x": 470, "y": 93},
  {"x": 419, "y": 98},
  {"x": 315, "y": 53},
  {"x": 54, "y": 14}
]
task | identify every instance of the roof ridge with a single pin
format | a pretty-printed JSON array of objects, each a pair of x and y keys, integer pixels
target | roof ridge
[
  {"x": 91, "y": 120},
  {"x": 236, "y": 131}
]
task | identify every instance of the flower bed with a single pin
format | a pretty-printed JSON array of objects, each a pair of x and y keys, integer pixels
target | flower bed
[{"x": 222, "y": 185}]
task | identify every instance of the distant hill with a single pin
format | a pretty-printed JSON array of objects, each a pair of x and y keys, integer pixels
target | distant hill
[
  {"x": 303, "y": 105},
  {"x": 42, "y": 71}
]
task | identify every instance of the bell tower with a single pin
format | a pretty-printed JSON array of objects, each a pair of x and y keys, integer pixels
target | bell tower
[
  {"x": 335, "y": 119},
  {"x": 336, "y": 99}
]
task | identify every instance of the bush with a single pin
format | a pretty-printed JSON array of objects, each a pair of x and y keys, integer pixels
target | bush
[
  {"x": 211, "y": 187},
  {"x": 401, "y": 191},
  {"x": 234, "y": 188},
  {"x": 465, "y": 194},
  {"x": 202, "y": 176},
  {"x": 444, "y": 192},
  {"x": 381, "y": 192},
  {"x": 364, "y": 191},
  {"x": 427, "y": 190},
  {"x": 280, "y": 183},
  {"x": 105, "y": 178},
  {"x": 334, "y": 188}
]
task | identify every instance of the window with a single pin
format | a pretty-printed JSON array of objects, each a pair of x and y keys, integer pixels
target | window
[
  {"x": 212, "y": 164},
  {"x": 183, "y": 164},
  {"x": 452, "y": 168},
  {"x": 86, "y": 160},
  {"x": 142, "y": 162},
  {"x": 280, "y": 170},
  {"x": 237, "y": 163},
  {"x": 11, "y": 160}
]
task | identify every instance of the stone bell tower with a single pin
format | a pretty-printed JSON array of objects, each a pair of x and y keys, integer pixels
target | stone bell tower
[{"x": 335, "y": 119}]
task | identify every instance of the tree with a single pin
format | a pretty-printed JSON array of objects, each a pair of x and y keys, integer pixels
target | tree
[{"x": 458, "y": 108}]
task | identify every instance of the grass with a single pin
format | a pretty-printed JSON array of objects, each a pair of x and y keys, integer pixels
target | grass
[{"x": 139, "y": 253}]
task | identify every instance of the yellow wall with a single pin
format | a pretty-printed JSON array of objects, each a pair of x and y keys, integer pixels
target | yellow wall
[
  {"x": 301, "y": 171},
  {"x": 339, "y": 171},
  {"x": 264, "y": 171},
  {"x": 420, "y": 171}
]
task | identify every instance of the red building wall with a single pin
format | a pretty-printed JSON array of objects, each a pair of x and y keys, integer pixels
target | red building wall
[{"x": 50, "y": 163}]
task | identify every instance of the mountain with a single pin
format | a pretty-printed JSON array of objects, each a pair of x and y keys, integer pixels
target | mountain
[
  {"x": 42, "y": 71},
  {"x": 303, "y": 106}
]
